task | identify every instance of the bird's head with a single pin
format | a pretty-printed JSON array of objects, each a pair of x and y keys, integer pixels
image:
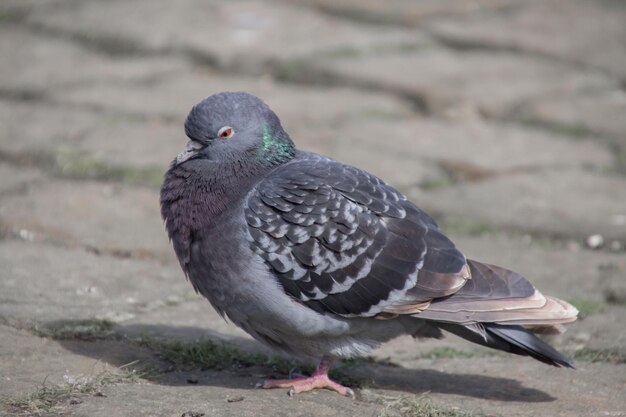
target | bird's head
[{"x": 233, "y": 126}]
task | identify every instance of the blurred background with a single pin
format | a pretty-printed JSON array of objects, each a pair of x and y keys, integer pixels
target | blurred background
[{"x": 506, "y": 120}]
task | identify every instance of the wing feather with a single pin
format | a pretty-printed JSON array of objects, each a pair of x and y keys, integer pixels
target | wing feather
[
  {"x": 343, "y": 242},
  {"x": 497, "y": 295}
]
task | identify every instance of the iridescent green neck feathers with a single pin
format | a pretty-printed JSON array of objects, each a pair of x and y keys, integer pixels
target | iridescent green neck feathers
[{"x": 276, "y": 146}]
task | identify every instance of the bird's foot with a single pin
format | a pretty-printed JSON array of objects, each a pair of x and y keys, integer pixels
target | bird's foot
[{"x": 303, "y": 384}]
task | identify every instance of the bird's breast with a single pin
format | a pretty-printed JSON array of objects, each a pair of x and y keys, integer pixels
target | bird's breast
[{"x": 191, "y": 205}]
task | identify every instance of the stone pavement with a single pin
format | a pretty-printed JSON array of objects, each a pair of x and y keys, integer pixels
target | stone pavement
[{"x": 504, "y": 119}]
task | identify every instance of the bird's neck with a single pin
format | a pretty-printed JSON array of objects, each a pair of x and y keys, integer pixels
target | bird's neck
[
  {"x": 276, "y": 147},
  {"x": 197, "y": 192}
]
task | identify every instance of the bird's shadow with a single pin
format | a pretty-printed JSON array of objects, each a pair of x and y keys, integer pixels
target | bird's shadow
[{"x": 118, "y": 351}]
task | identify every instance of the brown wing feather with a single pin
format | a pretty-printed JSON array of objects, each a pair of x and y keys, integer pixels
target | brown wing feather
[
  {"x": 436, "y": 284},
  {"x": 487, "y": 294}
]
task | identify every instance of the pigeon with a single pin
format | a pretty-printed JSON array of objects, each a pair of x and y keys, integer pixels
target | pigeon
[{"x": 320, "y": 259}]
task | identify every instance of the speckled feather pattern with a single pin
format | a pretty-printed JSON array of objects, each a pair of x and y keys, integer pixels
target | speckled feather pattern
[{"x": 337, "y": 238}]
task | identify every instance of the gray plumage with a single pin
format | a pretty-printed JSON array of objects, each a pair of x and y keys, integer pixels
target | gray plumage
[{"x": 318, "y": 258}]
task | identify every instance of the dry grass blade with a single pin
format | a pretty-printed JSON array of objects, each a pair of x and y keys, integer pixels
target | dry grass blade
[{"x": 51, "y": 397}]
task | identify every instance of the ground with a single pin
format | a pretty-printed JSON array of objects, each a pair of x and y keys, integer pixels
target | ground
[{"x": 504, "y": 119}]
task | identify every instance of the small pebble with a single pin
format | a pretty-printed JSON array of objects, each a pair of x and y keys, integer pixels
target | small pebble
[
  {"x": 26, "y": 235},
  {"x": 595, "y": 241},
  {"x": 234, "y": 399}
]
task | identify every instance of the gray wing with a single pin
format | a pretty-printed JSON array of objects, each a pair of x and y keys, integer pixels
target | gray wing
[{"x": 341, "y": 241}]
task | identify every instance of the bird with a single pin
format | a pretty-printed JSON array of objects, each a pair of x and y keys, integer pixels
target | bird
[{"x": 320, "y": 259}]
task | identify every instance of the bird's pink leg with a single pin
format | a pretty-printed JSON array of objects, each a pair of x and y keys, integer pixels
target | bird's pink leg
[{"x": 319, "y": 379}]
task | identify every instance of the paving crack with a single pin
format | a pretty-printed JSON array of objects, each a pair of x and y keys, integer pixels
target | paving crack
[
  {"x": 302, "y": 71},
  {"x": 574, "y": 132},
  {"x": 42, "y": 97},
  {"x": 114, "y": 46},
  {"x": 22, "y": 94},
  {"x": 33, "y": 232},
  {"x": 305, "y": 72},
  {"x": 469, "y": 45},
  {"x": 421, "y": 22},
  {"x": 387, "y": 18},
  {"x": 74, "y": 165}
]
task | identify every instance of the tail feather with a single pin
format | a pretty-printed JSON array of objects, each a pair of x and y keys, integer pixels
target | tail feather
[
  {"x": 524, "y": 342},
  {"x": 510, "y": 338},
  {"x": 492, "y": 309}
]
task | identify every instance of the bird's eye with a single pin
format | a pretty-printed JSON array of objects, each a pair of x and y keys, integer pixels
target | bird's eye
[{"x": 225, "y": 132}]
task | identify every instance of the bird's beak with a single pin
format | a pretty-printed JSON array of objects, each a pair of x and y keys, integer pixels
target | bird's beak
[{"x": 191, "y": 149}]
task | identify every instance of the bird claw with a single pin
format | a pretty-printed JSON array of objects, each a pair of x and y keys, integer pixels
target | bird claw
[
  {"x": 304, "y": 384},
  {"x": 319, "y": 379}
]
